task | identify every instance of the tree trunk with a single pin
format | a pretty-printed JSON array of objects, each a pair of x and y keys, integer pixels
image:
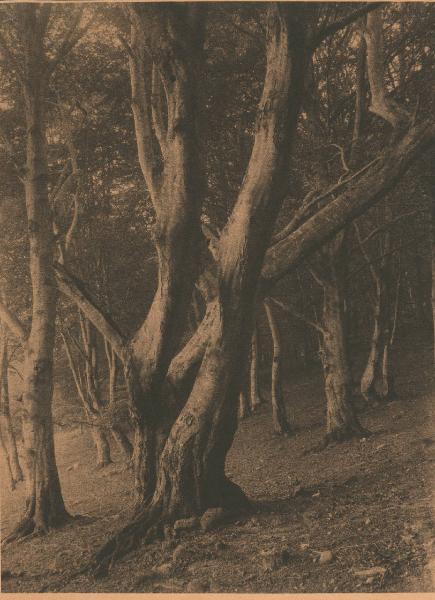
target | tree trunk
[
  {"x": 101, "y": 445},
  {"x": 433, "y": 264},
  {"x": 255, "y": 397},
  {"x": 166, "y": 50},
  {"x": 121, "y": 438},
  {"x": 341, "y": 420},
  {"x": 280, "y": 423},
  {"x": 8, "y": 439},
  {"x": 191, "y": 470},
  {"x": 373, "y": 369},
  {"x": 44, "y": 502}
]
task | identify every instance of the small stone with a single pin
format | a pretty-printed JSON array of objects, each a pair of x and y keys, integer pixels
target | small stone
[
  {"x": 186, "y": 524},
  {"x": 211, "y": 518},
  {"x": 164, "y": 569},
  {"x": 180, "y": 553},
  {"x": 271, "y": 560},
  {"x": 296, "y": 490},
  {"x": 304, "y": 547},
  {"x": 367, "y": 521},
  {"x": 369, "y": 572},
  {"x": 316, "y": 495},
  {"x": 197, "y": 587},
  {"x": 220, "y": 545},
  {"x": 325, "y": 557}
]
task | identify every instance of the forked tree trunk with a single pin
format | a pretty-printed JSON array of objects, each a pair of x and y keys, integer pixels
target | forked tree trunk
[
  {"x": 341, "y": 420},
  {"x": 281, "y": 425},
  {"x": 191, "y": 470},
  {"x": 165, "y": 61},
  {"x": 254, "y": 390},
  {"x": 9, "y": 443}
]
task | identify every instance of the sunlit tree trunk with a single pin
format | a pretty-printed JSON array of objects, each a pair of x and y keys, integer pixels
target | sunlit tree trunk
[{"x": 44, "y": 502}]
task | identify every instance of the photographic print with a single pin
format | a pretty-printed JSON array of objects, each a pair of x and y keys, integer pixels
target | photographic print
[{"x": 217, "y": 297}]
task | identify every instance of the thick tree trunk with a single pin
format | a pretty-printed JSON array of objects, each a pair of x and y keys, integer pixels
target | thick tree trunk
[
  {"x": 191, "y": 470},
  {"x": 341, "y": 420},
  {"x": 255, "y": 396},
  {"x": 279, "y": 416},
  {"x": 170, "y": 157},
  {"x": 7, "y": 435}
]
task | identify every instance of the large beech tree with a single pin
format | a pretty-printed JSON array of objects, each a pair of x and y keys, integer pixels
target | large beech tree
[{"x": 192, "y": 395}]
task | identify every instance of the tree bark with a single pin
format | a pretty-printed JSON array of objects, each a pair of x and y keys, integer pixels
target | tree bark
[
  {"x": 341, "y": 420},
  {"x": 255, "y": 396},
  {"x": 433, "y": 265},
  {"x": 44, "y": 502},
  {"x": 170, "y": 158},
  {"x": 7, "y": 435},
  {"x": 279, "y": 417},
  {"x": 191, "y": 470}
]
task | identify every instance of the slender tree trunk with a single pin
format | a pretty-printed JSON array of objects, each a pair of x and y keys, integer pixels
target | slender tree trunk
[
  {"x": 44, "y": 502},
  {"x": 341, "y": 420},
  {"x": 433, "y": 265},
  {"x": 101, "y": 445},
  {"x": 255, "y": 397},
  {"x": 244, "y": 408},
  {"x": 373, "y": 369},
  {"x": 7, "y": 435},
  {"x": 279, "y": 417}
]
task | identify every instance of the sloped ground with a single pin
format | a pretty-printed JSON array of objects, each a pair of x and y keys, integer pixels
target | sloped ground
[{"x": 318, "y": 519}]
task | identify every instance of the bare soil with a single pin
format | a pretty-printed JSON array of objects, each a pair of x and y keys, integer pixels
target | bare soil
[{"x": 318, "y": 519}]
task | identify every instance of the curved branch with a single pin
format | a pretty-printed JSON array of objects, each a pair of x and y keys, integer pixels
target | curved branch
[
  {"x": 74, "y": 289},
  {"x": 349, "y": 205},
  {"x": 293, "y": 313},
  {"x": 12, "y": 322}
]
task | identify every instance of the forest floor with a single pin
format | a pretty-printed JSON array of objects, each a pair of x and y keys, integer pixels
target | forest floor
[{"x": 355, "y": 517}]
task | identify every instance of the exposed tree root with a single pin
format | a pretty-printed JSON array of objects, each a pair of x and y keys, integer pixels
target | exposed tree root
[
  {"x": 339, "y": 435},
  {"x": 29, "y": 528},
  {"x": 149, "y": 525},
  {"x": 144, "y": 528}
]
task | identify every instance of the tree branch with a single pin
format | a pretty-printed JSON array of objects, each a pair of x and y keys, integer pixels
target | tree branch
[
  {"x": 333, "y": 28},
  {"x": 367, "y": 191},
  {"x": 290, "y": 310},
  {"x": 12, "y": 321},
  {"x": 74, "y": 289}
]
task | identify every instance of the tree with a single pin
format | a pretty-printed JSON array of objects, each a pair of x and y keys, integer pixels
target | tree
[
  {"x": 45, "y": 506},
  {"x": 279, "y": 416},
  {"x": 190, "y": 474},
  {"x": 7, "y": 434}
]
